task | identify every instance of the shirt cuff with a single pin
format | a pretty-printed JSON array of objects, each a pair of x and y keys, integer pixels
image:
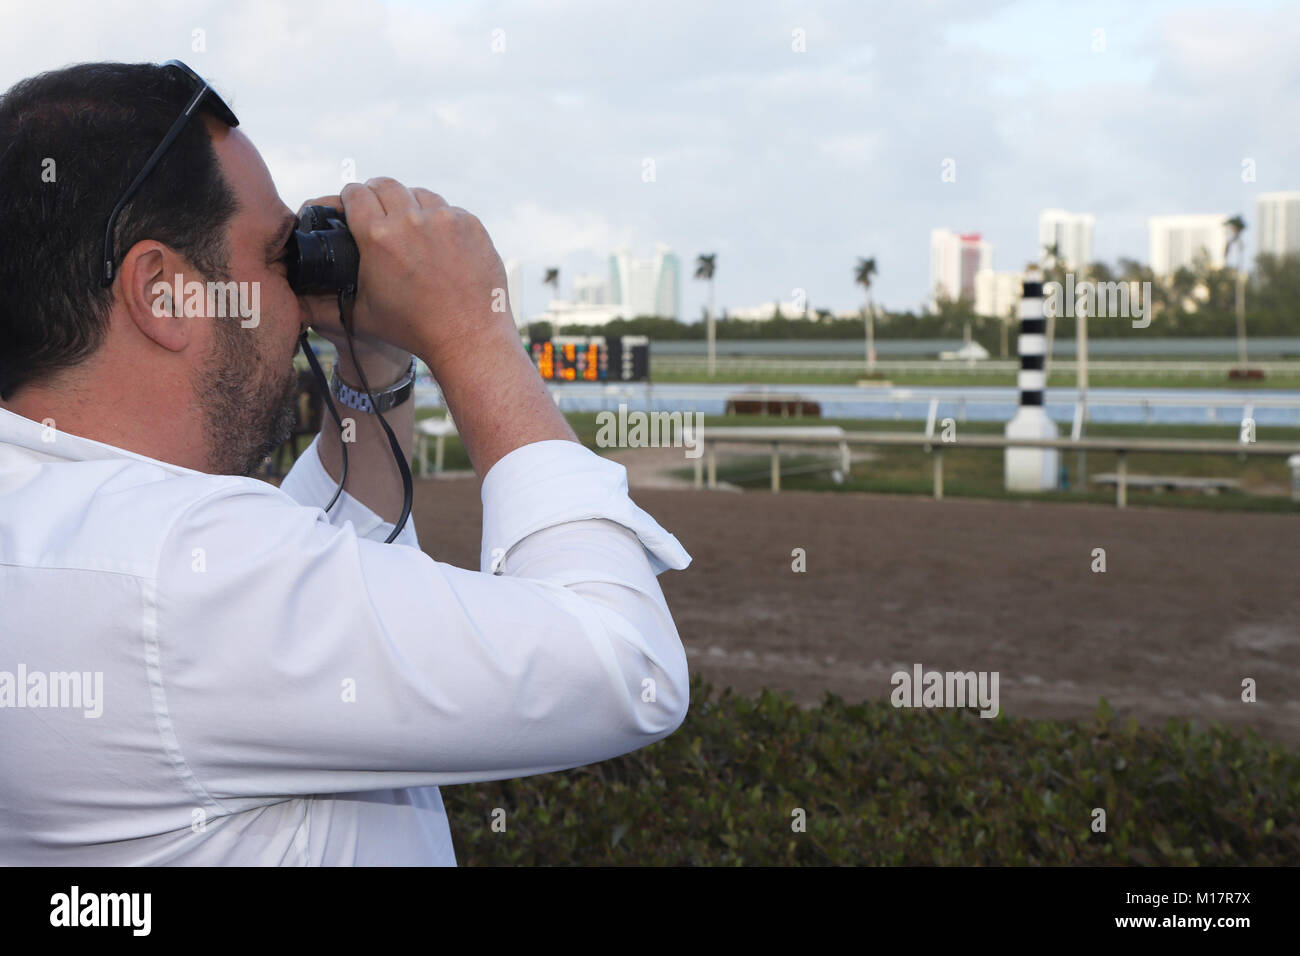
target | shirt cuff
[
  {"x": 547, "y": 483},
  {"x": 308, "y": 483}
]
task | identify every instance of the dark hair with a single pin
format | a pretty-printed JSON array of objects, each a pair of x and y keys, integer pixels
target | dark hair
[{"x": 90, "y": 129}]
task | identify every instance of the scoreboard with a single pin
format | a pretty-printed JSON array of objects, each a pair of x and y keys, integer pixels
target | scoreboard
[{"x": 592, "y": 358}]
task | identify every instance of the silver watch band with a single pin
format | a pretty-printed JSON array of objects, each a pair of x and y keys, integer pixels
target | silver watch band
[{"x": 390, "y": 397}]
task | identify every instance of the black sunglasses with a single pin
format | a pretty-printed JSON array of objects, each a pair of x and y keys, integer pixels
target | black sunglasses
[{"x": 202, "y": 92}]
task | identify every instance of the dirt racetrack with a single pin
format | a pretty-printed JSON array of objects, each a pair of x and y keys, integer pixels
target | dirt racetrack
[{"x": 1190, "y": 603}]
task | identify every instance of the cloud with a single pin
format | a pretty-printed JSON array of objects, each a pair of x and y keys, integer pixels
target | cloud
[{"x": 539, "y": 116}]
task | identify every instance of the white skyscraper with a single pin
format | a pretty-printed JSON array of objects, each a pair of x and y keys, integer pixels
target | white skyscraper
[
  {"x": 590, "y": 290},
  {"x": 955, "y": 259},
  {"x": 646, "y": 286},
  {"x": 1177, "y": 241},
  {"x": 1070, "y": 232},
  {"x": 997, "y": 293},
  {"x": 668, "y": 288},
  {"x": 1279, "y": 223}
]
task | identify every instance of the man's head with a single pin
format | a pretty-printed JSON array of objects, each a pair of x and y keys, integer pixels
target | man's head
[{"x": 71, "y": 141}]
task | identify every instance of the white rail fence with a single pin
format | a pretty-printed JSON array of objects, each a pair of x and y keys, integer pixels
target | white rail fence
[{"x": 775, "y": 438}]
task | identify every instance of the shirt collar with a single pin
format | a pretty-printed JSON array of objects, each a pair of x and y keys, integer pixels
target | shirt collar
[{"x": 50, "y": 444}]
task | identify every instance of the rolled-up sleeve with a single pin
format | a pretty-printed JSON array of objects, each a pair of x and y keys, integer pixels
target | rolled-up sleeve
[{"x": 299, "y": 656}]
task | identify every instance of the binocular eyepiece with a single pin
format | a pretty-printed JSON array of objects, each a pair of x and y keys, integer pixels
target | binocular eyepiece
[{"x": 323, "y": 256}]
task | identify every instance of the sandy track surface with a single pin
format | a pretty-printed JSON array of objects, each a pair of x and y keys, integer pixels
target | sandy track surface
[{"x": 1190, "y": 604}]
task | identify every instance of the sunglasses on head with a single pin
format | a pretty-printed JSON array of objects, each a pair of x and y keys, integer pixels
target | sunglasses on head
[{"x": 203, "y": 95}]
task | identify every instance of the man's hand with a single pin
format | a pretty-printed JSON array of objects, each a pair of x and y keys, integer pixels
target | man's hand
[
  {"x": 429, "y": 278},
  {"x": 431, "y": 283}
]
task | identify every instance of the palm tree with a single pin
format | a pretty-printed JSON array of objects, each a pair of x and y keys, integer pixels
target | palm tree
[
  {"x": 1182, "y": 288},
  {"x": 704, "y": 266},
  {"x": 862, "y": 275},
  {"x": 1236, "y": 226},
  {"x": 552, "y": 278},
  {"x": 1100, "y": 272}
]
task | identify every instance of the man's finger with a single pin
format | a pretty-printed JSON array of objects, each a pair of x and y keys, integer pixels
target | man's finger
[
  {"x": 361, "y": 206},
  {"x": 395, "y": 197},
  {"x": 427, "y": 198}
]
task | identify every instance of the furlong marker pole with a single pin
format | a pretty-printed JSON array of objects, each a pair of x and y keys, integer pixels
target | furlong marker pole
[{"x": 1032, "y": 469}]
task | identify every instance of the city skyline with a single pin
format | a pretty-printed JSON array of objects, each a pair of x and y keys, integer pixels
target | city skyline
[
  {"x": 962, "y": 263},
  {"x": 633, "y": 286}
]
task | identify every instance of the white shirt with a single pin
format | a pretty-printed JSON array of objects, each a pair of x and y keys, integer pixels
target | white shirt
[{"x": 279, "y": 687}]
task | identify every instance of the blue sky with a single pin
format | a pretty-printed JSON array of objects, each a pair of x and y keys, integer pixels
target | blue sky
[{"x": 789, "y": 165}]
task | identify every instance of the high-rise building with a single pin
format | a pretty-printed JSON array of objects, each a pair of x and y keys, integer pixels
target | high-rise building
[
  {"x": 1279, "y": 223},
  {"x": 646, "y": 286},
  {"x": 1070, "y": 233},
  {"x": 590, "y": 290},
  {"x": 668, "y": 290},
  {"x": 997, "y": 293},
  {"x": 955, "y": 258},
  {"x": 1176, "y": 242}
]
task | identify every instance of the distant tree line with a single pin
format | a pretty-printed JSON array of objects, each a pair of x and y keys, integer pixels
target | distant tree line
[{"x": 1195, "y": 302}]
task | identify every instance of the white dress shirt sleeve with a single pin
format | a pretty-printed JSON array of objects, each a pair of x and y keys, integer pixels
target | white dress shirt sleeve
[{"x": 300, "y": 657}]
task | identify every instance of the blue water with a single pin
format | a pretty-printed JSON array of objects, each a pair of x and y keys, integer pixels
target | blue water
[
  {"x": 973, "y": 403},
  {"x": 1133, "y": 346}
]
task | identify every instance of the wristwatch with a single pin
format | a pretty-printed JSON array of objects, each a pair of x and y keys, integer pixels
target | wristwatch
[{"x": 386, "y": 398}]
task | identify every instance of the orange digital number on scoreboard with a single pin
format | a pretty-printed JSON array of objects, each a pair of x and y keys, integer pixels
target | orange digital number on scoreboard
[{"x": 583, "y": 360}]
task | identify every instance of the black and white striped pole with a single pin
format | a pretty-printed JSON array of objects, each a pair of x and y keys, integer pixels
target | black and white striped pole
[{"x": 1032, "y": 469}]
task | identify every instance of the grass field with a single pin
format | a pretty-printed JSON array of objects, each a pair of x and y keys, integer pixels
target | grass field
[{"x": 978, "y": 473}]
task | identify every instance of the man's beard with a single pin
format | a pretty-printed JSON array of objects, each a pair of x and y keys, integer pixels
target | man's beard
[{"x": 248, "y": 409}]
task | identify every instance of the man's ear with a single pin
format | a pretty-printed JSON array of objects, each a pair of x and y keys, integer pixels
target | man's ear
[{"x": 147, "y": 286}]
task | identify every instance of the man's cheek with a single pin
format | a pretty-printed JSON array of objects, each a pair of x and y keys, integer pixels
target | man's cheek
[{"x": 250, "y": 304}]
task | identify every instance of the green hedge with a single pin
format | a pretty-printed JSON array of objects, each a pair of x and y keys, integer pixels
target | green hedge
[{"x": 881, "y": 785}]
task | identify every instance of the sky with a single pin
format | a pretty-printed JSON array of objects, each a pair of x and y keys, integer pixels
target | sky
[{"x": 787, "y": 138}]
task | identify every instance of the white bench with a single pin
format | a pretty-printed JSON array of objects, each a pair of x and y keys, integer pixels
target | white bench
[
  {"x": 1206, "y": 486},
  {"x": 438, "y": 429}
]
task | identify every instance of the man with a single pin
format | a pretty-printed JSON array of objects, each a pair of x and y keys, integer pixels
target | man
[{"x": 199, "y": 668}]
